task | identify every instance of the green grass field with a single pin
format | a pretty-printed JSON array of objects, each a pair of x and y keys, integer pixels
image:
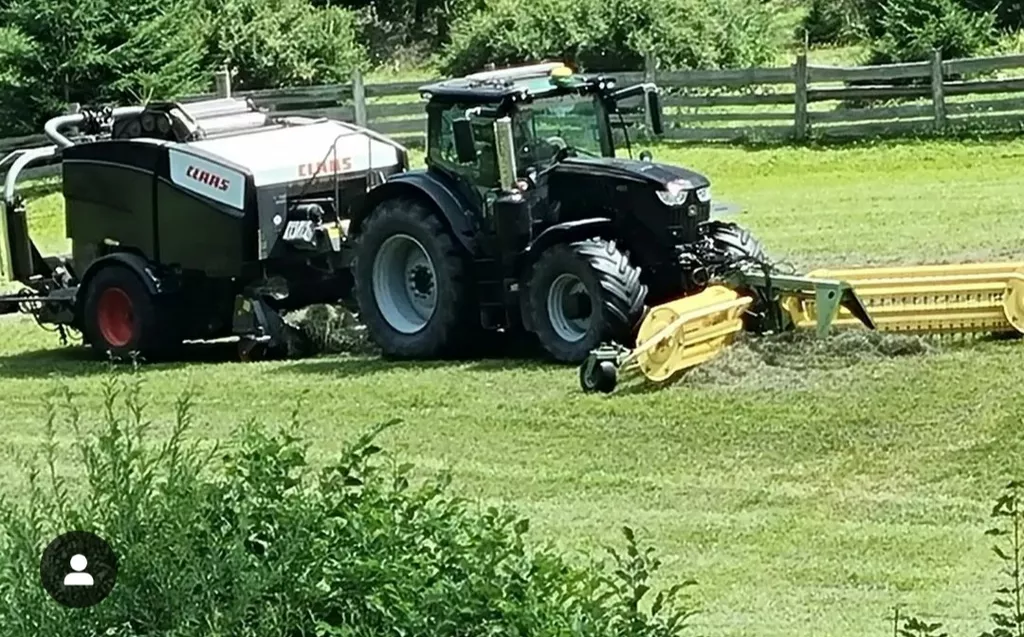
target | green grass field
[{"x": 808, "y": 489}]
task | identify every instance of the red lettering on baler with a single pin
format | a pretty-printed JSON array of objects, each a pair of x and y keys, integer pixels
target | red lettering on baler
[
  {"x": 328, "y": 167},
  {"x": 207, "y": 178}
]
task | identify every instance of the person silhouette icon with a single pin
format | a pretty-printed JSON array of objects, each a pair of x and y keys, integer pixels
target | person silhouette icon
[{"x": 79, "y": 577}]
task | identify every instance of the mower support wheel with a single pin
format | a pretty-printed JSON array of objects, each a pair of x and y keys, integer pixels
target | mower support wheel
[
  {"x": 121, "y": 318},
  {"x": 601, "y": 376},
  {"x": 583, "y": 294}
]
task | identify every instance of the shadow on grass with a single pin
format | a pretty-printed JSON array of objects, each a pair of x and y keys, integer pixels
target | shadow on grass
[
  {"x": 80, "y": 361},
  {"x": 77, "y": 360},
  {"x": 495, "y": 352},
  {"x": 352, "y": 367}
]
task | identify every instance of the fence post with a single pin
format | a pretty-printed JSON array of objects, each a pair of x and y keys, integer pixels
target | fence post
[
  {"x": 650, "y": 67},
  {"x": 359, "y": 97},
  {"x": 72, "y": 109},
  {"x": 800, "y": 97},
  {"x": 650, "y": 76},
  {"x": 938, "y": 93},
  {"x": 222, "y": 81}
]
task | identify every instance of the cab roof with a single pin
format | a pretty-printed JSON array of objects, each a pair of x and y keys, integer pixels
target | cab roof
[{"x": 517, "y": 84}]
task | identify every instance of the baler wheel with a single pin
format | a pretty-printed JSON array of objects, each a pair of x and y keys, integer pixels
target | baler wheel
[
  {"x": 115, "y": 317},
  {"x": 120, "y": 317}
]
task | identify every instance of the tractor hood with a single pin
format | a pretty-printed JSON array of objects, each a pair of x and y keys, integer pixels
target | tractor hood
[{"x": 631, "y": 169}]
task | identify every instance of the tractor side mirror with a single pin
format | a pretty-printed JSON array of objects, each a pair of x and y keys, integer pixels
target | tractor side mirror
[
  {"x": 465, "y": 145},
  {"x": 654, "y": 111}
]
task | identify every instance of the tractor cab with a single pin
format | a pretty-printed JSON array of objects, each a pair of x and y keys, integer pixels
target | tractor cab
[{"x": 496, "y": 127}]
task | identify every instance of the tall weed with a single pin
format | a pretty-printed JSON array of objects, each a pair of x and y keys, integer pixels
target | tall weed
[{"x": 247, "y": 539}]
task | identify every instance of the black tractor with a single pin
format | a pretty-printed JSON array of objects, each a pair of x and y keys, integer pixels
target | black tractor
[{"x": 526, "y": 220}]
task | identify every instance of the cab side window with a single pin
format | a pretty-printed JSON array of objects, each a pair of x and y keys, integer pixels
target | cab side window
[{"x": 483, "y": 172}]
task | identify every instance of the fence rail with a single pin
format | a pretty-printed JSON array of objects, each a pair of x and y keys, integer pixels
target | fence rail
[{"x": 795, "y": 103}]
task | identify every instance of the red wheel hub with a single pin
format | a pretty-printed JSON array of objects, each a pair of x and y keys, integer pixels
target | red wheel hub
[{"x": 115, "y": 318}]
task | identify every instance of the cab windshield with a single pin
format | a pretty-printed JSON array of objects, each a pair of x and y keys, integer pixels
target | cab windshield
[{"x": 547, "y": 124}]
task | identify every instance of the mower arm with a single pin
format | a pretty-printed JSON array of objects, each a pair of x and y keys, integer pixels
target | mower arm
[{"x": 828, "y": 296}]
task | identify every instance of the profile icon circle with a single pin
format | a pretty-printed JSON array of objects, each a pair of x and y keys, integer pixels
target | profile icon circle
[{"x": 78, "y": 569}]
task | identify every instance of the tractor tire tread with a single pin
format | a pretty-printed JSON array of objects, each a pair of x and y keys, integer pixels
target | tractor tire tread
[
  {"x": 621, "y": 279},
  {"x": 739, "y": 241},
  {"x": 453, "y": 321},
  {"x": 623, "y": 296}
]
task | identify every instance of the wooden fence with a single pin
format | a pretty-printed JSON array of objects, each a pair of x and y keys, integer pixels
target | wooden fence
[{"x": 794, "y": 103}]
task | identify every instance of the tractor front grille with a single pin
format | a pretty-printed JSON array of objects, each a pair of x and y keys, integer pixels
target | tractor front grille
[{"x": 683, "y": 220}]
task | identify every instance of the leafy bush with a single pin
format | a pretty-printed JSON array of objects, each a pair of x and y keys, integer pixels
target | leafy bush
[
  {"x": 250, "y": 541},
  {"x": 616, "y": 34},
  {"x": 1009, "y": 13},
  {"x": 833, "y": 22},
  {"x": 69, "y": 51},
  {"x": 275, "y": 43},
  {"x": 909, "y": 30}
]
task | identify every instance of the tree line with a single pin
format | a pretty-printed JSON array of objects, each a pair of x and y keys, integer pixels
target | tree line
[{"x": 53, "y": 52}]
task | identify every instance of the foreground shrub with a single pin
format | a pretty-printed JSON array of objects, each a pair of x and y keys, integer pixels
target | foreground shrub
[
  {"x": 909, "y": 30},
  {"x": 616, "y": 34},
  {"x": 250, "y": 541}
]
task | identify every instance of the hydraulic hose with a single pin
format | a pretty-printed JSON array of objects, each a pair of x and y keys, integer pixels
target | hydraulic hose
[{"x": 53, "y": 127}]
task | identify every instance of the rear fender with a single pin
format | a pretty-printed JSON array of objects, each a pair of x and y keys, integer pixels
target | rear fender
[
  {"x": 134, "y": 262},
  {"x": 455, "y": 210}
]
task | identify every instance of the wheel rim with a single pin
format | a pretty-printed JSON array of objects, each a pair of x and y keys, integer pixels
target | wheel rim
[
  {"x": 115, "y": 318},
  {"x": 404, "y": 284},
  {"x": 562, "y": 294}
]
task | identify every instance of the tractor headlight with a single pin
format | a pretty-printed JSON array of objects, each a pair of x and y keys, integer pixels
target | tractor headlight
[{"x": 675, "y": 192}]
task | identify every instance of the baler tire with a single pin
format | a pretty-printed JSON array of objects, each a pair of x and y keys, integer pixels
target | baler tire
[
  {"x": 451, "y": 323},
  {"x": 739, "y": 242},
  {"x": 147, "y": 331},
  {"x": 607, "y": 275}
]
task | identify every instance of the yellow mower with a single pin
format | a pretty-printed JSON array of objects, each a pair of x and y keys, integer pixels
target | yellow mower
[{"x": 927, "y": 299}]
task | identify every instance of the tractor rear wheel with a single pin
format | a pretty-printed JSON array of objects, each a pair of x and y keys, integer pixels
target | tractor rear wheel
[
  {"x": 581, "y": 295},
  {"x": 121, "y": 318},
  {"x": 411, "y": 282}
]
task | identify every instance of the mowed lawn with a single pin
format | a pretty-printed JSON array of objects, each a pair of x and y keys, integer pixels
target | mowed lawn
[{"x": 807, "y": 493}]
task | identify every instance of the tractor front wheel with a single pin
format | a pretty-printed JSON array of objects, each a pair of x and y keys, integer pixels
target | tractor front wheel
[
  {"x": 120, "y": 317},
  {"x": 582, "y": 295},
  {"x": 411, "y": 283},
  {"x": 738, "y": 242}
]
